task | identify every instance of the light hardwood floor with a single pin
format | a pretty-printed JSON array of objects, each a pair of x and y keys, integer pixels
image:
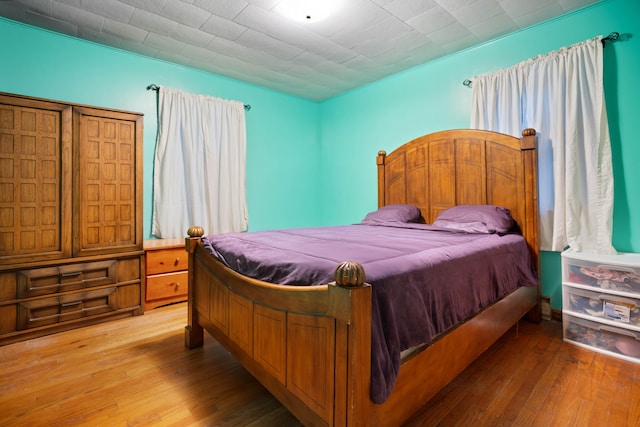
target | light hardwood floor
[{"x": 137, "y": 372}]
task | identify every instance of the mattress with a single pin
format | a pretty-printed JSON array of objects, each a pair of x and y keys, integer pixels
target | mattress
[{"x": 425, "y": 279}]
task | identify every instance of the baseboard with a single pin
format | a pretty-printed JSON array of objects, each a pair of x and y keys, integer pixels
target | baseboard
[{"x": 549, "y": 313}]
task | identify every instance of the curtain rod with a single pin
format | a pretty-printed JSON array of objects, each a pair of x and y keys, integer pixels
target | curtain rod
[
  {"x": 611, "y": 37},
  {"x": 155, "y": 87}
]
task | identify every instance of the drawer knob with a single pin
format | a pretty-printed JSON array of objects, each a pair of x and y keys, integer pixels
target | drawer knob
[{"x": 177, "y": 261}]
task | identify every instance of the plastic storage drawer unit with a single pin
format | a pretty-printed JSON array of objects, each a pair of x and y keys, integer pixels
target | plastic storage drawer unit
[
  {"x": 603, "y": 338},
  {"x": 617, "y": 273},
  {"x": 601, "y": 306}
]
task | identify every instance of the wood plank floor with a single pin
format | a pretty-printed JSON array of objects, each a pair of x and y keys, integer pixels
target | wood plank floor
[{"x": 137, "y": 372}]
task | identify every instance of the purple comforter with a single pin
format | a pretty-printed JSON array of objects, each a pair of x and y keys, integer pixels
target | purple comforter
[{"x": 424, "y": 279}]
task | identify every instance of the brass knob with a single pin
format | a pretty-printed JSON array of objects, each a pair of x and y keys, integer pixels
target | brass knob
[
  {"x": 349, "y": 273},
  {"x": 195, "y": 231}
]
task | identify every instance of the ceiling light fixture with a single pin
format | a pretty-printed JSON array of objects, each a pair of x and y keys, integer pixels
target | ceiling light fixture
[{"x": 307, "y": 10}]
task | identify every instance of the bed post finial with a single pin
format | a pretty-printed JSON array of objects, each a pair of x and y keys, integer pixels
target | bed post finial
[
  {"x": 195, "y": 231},
  {"x": 349, "y": 274},
  {"x": 528, "y": 140}
]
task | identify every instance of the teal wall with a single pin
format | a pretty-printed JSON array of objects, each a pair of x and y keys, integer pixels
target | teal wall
[
  {"x": 314, "y": 163},
  {"x": 431, "y": 97},
  {"x": 282, "y": 130}
]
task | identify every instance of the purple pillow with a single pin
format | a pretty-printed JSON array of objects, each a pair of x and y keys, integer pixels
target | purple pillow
[
  {"x": 476, "y": 219},
  {"x": 394, "y": 213}
]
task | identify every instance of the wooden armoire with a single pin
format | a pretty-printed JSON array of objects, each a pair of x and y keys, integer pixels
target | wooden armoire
[{"x": 70, "y": 216}]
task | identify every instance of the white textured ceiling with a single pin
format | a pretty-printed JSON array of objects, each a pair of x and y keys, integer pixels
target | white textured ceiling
[{"x": 250, "y": 40}]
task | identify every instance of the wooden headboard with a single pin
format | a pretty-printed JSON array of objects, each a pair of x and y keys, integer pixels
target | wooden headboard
[{"x": 457, "y": 167}]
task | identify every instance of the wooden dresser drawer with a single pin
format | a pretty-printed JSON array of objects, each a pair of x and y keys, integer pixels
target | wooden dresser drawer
[
  {"x": 62, "y": 308},
  {"x": 167, "y": 285},
  {"x": 63, "y": 278},
  {"x": 166, "y": 260}
]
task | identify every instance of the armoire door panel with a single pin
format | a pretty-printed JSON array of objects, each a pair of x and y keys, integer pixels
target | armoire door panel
[
  {"x": 109, "y": 190},
  {"x": 35, "y": 174}
]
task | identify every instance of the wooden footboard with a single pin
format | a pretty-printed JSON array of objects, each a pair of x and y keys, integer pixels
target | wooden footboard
[{"x": 309, "y": 346}]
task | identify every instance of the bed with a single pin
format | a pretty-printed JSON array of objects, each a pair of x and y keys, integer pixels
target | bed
[{"x": 312, "y": 346}]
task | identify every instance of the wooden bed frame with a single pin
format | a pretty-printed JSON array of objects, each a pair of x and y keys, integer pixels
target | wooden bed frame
[{"x": 311, "y": 346}]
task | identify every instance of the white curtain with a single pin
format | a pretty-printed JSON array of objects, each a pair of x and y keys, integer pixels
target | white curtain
[
  {"x": 200, "y": 162},
  {"x": 561, "y": 96}
]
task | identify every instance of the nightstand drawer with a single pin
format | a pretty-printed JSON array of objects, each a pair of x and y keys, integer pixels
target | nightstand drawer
[
  {"x": 167, "y": 278},
  {"x": 166, "y": 260},
  {"x": 167, "y": 285}
]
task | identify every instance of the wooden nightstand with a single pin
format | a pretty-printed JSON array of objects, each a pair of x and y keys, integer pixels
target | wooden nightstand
[{"x": 166, "y": 272}]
